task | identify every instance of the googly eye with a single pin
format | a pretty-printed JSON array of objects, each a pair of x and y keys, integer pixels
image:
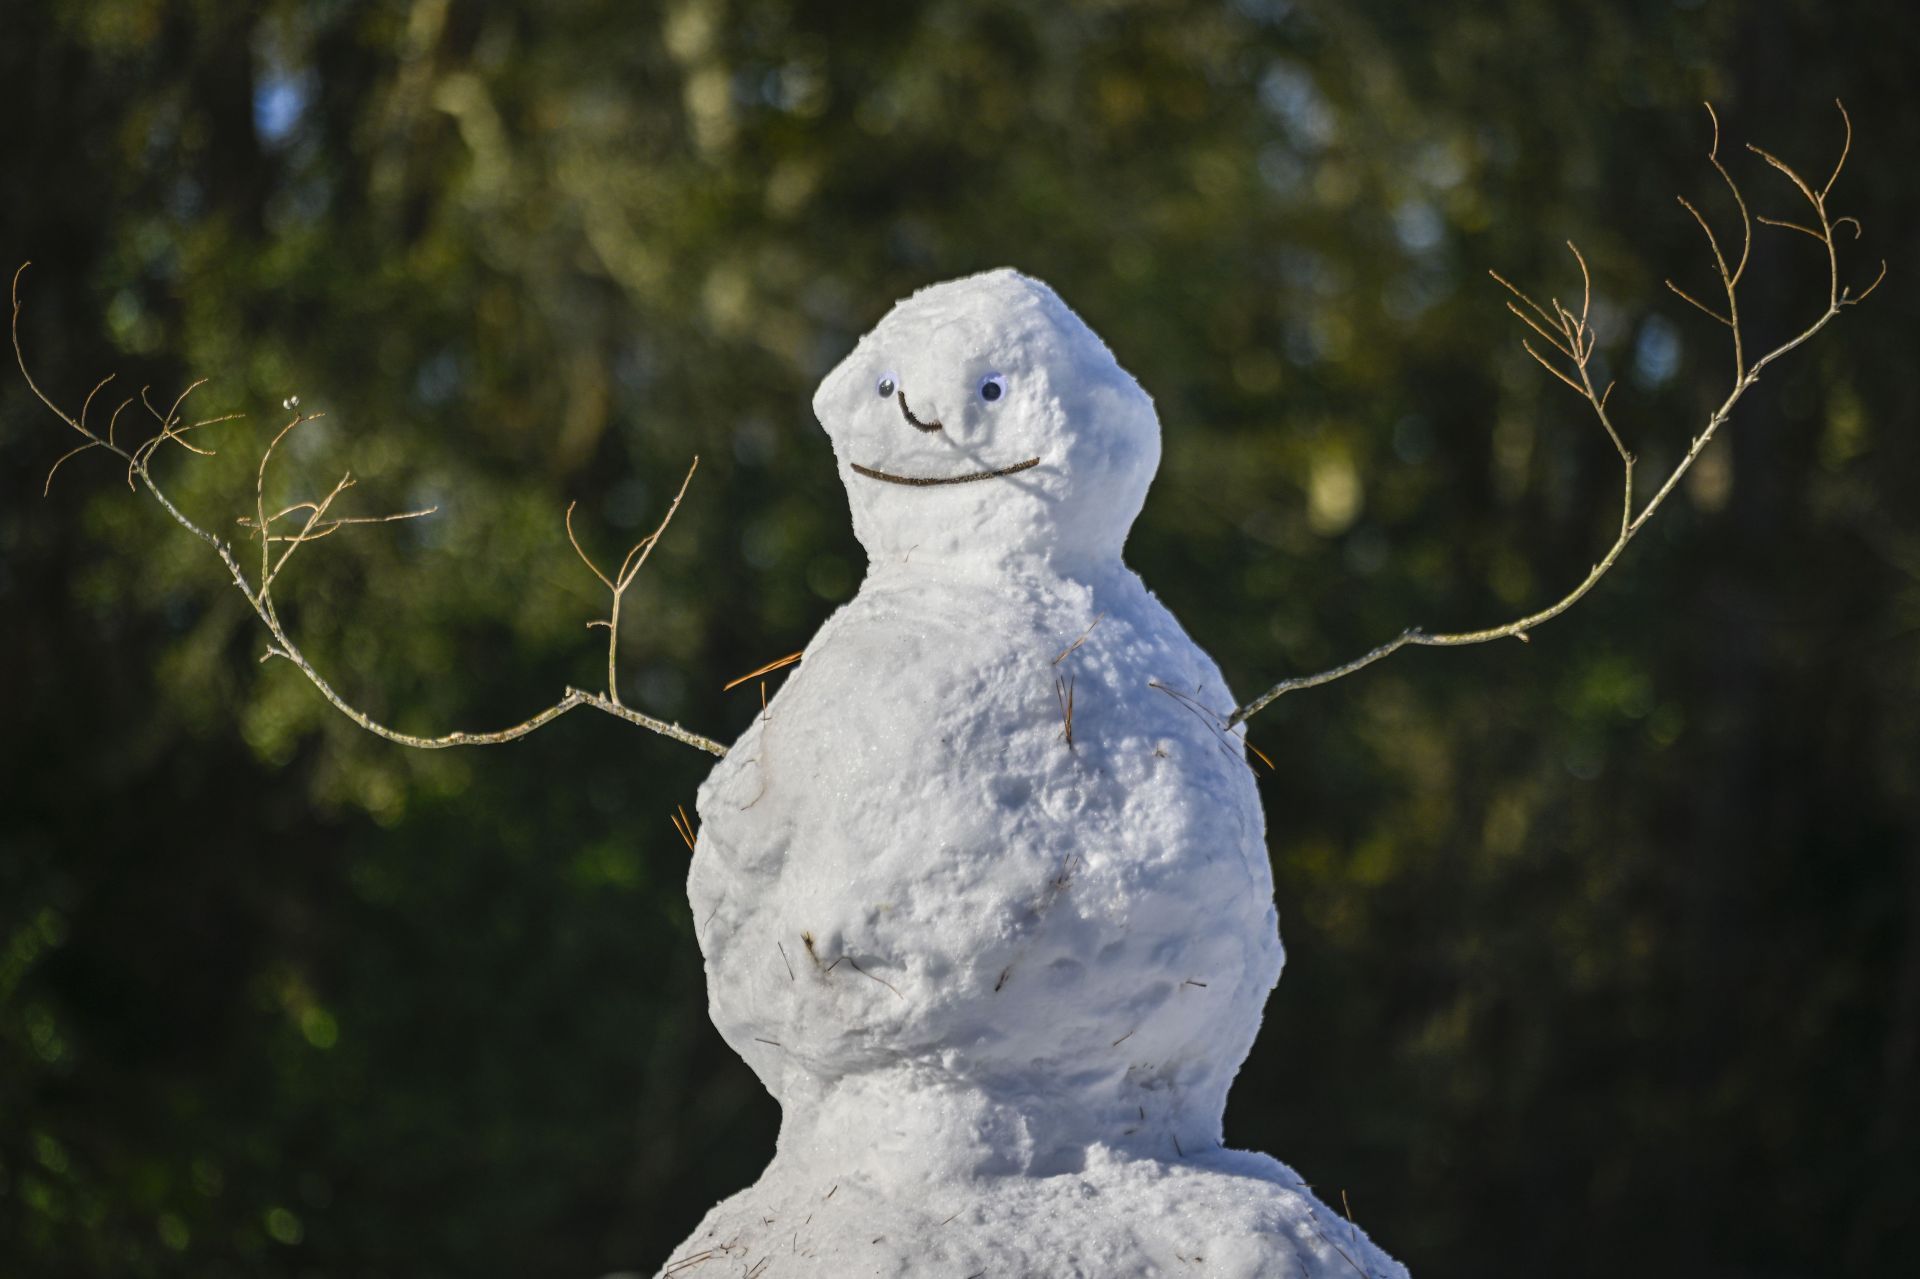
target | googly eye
[
  {"x": 992, "y": 387},
  {"x": 886, "y": 386}
]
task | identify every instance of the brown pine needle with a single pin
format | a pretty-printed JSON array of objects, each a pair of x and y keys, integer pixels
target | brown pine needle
[
  {"x": 1077, "y": 643},
  {"x": 855, "y": 965},
  {"x": 776, "y": 664},
  {"x": 1063, "y": 694},
  {"x": 683, "y": 826}
]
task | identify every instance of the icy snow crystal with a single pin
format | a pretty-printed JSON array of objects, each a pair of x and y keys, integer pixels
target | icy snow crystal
[{"x": 988, "y": 909}]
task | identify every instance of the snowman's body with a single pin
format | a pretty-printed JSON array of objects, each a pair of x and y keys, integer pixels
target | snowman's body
[{"x": 998, "y": 973}]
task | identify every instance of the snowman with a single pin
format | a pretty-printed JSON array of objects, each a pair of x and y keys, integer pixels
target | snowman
[{"x": 983, "y": 893}]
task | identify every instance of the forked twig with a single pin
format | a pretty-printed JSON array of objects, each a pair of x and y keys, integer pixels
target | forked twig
[
  {"x": 317, "y": 525},
  {"x": 629, "y": 569},
  {"x": 1572, "y": 337}
]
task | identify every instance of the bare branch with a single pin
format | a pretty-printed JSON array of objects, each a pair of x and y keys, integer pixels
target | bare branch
[
  {"x": 1787, "y": 169},
  {"x": 1862, "y": 296},
  {"x": 1846, "y": 148},
  {"x": 113, "y": 420},
  {"x": 316, "y": 526},
  {"x": 1793, "y": 226},
  {"x": 1740, "y": 201},
  {"x": 1549, "y": 368},
  {"x": 1579, "y": 351},
  {"x": 1728, "y": 280},
  {"x": 72, "y": 452},
  {"x": 21, "y": 359},
  {"x": 1559, "y": 341},
  {"x": 584, "y": 557},
  {"x": 1688, "y": 297},
  {"x": 337, "y": 522},
  {"x": 1511, "y": 288},
  {"x": 1327, "y": 676},
  {"x": 88, "y": 402}
]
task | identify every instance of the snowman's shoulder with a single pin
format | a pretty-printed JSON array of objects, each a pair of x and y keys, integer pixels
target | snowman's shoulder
[
  {"x": 849, "y": 613},
  {"x": 1146, "y": 633}
]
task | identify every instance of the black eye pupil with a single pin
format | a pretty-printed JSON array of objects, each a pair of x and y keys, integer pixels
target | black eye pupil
[
  {"x": 885, "y": 388},
  {"x": 990, "y": 390}
]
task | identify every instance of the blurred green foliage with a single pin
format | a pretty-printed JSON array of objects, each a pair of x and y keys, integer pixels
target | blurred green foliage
[{"x": 1606, "y": 949}]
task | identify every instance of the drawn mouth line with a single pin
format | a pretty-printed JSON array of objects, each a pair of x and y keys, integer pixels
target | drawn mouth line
[{"x": 928, "y": 481}]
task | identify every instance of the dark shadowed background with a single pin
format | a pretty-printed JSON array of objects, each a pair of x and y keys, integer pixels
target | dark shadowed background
[{"x": 1605, "y": 950}]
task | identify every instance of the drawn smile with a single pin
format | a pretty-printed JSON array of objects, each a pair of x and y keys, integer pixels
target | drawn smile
[{"x": 929, "y": 481}]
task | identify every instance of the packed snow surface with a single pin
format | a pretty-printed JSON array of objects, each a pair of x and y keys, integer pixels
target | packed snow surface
[{"x": 984, "y": 893}]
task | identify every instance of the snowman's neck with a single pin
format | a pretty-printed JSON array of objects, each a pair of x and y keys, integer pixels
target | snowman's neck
[{"x": 974, "y": 570}]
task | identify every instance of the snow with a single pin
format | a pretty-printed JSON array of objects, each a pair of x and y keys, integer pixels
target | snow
[{"x": 1000, "y": 980}]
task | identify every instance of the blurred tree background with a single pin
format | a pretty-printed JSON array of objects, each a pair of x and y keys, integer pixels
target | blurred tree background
[{"x": 1605, "y": 950}]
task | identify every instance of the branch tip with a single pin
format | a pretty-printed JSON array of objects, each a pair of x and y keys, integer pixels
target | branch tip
[{"x": 1846, "y": 147}]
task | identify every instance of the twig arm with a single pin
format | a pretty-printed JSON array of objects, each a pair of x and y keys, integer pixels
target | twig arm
[
  {"x": 316, "y": 526},
  {"x": 1571, "y": 335}
]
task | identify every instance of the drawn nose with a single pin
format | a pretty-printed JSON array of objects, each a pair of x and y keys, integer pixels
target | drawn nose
[{"x": 913, "y": 421}]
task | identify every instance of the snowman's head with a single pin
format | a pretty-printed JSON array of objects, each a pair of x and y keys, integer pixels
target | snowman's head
[{"x": 982, "y": 420}]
